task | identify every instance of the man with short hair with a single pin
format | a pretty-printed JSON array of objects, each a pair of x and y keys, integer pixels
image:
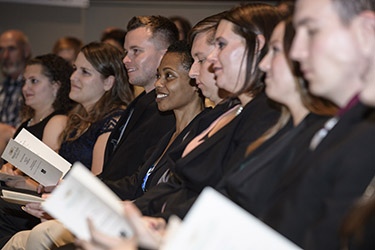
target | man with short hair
[
  {"x": 143, "y": 124},
  {"x": 333, "y": 44},
  {"x": 14, "y": 52}
]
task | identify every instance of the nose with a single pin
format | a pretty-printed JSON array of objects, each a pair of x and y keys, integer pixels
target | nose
[
  {"x": 25, "y": 86},
  {"x": 73, "y": 77},
  {"x": 298, "y": 51},
  {"x": 194, "y": 70},
  {"x": 265, "y": 64},
  {"x": 158, "y": 83},
  {"x": 126, "y": 60}
]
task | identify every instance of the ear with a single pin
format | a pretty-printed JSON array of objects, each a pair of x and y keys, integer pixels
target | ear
[
  {"x": 27, "y": 51},
  {"x": 56, "y": 86},
  {"x": 260, "y": 41},
  {"x": 108, "y": 83},
  {"x": 364, "y": 29}
]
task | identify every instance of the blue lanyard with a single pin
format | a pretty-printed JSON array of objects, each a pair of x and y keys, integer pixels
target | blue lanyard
[{"x": 149, "y": 172}]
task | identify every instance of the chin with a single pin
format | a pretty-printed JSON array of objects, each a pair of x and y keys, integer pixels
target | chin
[{"x": 367, "y": 98}]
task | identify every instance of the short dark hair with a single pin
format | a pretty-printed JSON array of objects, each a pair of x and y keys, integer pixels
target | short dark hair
[
  {"x": 161, "y": 28},
  {"x": 182, "y": 48},
  {"x": 347, "y": 9}
]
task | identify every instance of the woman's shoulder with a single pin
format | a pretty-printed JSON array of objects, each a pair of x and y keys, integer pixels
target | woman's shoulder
[{"x": 109, "y": 122}]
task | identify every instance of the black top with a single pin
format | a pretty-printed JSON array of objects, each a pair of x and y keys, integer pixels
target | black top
[
  {"x": 37, "y": 129},
  {"x": 81, "y": 149},
  {"x": 318, "y": 190},
  {"x": 210, "y": 161},
  {"x": 254, "y": 181},
  {"x": 130, "y": 187},
  {"x": 144, "y": 129}
]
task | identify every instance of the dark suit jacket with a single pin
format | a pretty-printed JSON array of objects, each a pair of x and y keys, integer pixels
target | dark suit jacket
[
  {"x": 130, "y": 187},
  {"x": 143, "y": 131},
  {"x": 208, "y": 163},
  {"x": 316, "y": 193},
  {"x": 252, "y": 183}
]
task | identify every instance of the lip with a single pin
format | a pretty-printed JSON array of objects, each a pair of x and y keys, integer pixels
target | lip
[
  {"x": 306, "y": 72},
  {"x": 130, "y": 70},
  {"x": 73, "y": 86},
  {"x": 160, "y": 96},
  {"x": 216, "y": 69},
  {"x": 199, "y": 84}
]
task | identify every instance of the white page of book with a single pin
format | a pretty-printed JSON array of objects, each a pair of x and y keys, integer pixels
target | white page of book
[
  {"x": 216, "y": 223},
  {"x": 80, "y": 196},
  {"x": 35, "y": 159},
  {"x": 19, "y": 198},
  {"x": 31, "y": 164},
  {"x": 29, "y": 141}
]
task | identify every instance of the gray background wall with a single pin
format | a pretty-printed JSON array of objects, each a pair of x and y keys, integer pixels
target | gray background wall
[{"x": 45, "y": 24}]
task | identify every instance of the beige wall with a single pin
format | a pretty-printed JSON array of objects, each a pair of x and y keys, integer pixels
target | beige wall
[{"x": 45, "y": 24}]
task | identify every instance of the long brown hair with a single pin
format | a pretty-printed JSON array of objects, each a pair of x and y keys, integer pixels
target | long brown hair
[
  {"x": 107, "y": 60},
  {"x": 314, "y": 104}
]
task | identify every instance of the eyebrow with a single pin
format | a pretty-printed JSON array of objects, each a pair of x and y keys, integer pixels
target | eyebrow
[
  {"x": 169, "y": 68},
  {"x": 135, "y": 47},
  {"x": 304, "y": 21}
]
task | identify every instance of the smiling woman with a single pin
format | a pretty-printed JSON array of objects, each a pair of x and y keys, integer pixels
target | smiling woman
[{"x": 100, "y": 87}]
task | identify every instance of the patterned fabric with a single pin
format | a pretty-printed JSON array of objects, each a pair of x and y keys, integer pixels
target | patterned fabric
[
  {"x": 10, "y": 101},
  {"x": 82, "y": 148}
]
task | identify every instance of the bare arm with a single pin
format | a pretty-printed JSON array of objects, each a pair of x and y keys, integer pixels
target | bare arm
[
  {"x": 98, "y": 153},
  {"x": 52, "y": 131}
]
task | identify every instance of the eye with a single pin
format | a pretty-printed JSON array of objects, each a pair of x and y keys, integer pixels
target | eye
[
  {"x": 85, "y": 71},
  {"x": 33, "y": 81},
  {"x": 311, "y": 31},
  {"x": 135, "y": 51},
  {"x": 200, "y": 61},
  {"x": 169, "y": 76},
  {"x": 157, "y": 76},
  {"x": 275, "y": 49},
  {"x": 221, "y": 44}
]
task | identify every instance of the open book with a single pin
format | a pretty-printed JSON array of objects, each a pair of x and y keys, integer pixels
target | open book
[
  {"x": 36, "y": 159},
  {"x": 216, "y": 223},
  {"x": 19, "y": 197},
  {"x": 81, "y": 196}
]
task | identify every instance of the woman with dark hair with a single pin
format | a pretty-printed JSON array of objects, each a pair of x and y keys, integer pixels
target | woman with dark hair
[
  {"x": 99, "y": 85},
  {"x": 254, "y": 182},
  {"x": 46, "y": 101}
]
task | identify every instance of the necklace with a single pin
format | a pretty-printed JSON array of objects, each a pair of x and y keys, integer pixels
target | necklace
[
  {"x": 239, "y": 110},
  {"x": 32, "y": 119}
]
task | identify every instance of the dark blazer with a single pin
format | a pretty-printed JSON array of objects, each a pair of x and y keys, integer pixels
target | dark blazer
[
  {"x": 317, "y": 191},
  {"x": 208, "y": 163},
  {"x": 143, "y": 131},
  {"x": 130, "y": 187},
  {"x": 252, "y": 183}
]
